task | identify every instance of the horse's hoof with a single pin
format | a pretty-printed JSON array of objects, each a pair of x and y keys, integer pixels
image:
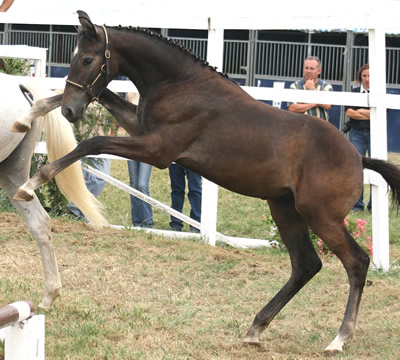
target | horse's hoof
[
  {"x": 20, "y": 128},
  {"x": 251, "y": 342},
  {"x": 336, "y": 346},
  {"x": 43, "y": 307},
  {"x": 23, "y": 195},
  {"x": 332, "y": 352}
]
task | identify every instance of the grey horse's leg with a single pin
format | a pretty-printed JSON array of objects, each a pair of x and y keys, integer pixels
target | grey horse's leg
[
  {"x": 39, "y": 108},
  {"x": 14, "y": 171}
]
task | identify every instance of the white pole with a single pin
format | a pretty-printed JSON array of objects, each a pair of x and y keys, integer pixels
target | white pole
[
  {"x": 25, "y": 340},
  {"x": 228, "y": 240},
  {"x": 380, "y": 211},
  {"x": 209, "y": 202},
  {"x": 40, "y": 63}
]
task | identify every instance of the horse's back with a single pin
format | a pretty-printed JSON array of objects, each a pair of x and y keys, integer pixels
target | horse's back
[{"x": 13, "y": 105}]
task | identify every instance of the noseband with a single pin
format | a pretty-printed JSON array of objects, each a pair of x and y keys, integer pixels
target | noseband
[{"x": 104, "y": 70}]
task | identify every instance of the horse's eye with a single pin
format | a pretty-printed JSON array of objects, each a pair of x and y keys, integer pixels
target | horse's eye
[{"x": 87, "y": 61}]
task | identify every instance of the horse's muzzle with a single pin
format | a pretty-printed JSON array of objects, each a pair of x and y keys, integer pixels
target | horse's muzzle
[{"x": 71, "y": 115}]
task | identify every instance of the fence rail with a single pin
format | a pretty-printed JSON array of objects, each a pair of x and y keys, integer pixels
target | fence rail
[
  {"x": 16, "y": 312},
  {"x": 31, "y": 38}
]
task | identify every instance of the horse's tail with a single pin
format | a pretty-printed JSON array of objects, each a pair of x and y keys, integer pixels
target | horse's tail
[
  {"x": 60, "y": 140},
  {"x": 391, "y": 174}
]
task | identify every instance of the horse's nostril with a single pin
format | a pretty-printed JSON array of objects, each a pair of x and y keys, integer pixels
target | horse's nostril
[{"x": 68, "y": 113}]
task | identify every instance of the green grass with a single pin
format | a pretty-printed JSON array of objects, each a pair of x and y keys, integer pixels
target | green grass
[{"x": 130, "y": 296}]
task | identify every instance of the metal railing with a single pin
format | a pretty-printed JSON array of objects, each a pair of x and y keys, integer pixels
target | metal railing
[
  {"x": 280, "y": 60},
  {"x": 62, "y": 46},
  {"x": 332, "y": 59},
  {"x": 393, "y": 63},
  {"x": 235, "y": 57},
  {"x": 197, "y": 46},
  {"x": 272, "y": 59},
  {"x": 31, "y": 38}
]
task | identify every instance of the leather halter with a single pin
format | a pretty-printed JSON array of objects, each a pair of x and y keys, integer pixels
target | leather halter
[{"x": 104, "y": 70}]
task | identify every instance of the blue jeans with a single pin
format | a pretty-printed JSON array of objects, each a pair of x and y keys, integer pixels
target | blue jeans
[
  {"x": 177, "y": 176},
  {"x": 94, "y": 184},
  {"x": 139, "y": 178},
  {"x": 362, "y": 141}
]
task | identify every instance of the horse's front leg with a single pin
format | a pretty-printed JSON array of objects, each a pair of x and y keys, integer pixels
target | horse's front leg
[
  {"x": 147, "y": 148},
  {"x": 122, "y": 110},
  {"x": 39, "y": 108}
]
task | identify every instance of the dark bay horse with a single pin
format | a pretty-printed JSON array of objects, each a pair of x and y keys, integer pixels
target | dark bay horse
[{"x": 309, "y": 173}]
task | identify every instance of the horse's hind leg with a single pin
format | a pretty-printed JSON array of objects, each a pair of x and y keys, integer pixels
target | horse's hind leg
[
  {"x": 355, "y": 261},
  {"x": 305, "y": 263},
  {"x": 38, "y": 223},
  {"x": 14, "y": 171}
]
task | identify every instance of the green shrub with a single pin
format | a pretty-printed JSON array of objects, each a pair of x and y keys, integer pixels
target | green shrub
[{"x": 14, "y": 66}]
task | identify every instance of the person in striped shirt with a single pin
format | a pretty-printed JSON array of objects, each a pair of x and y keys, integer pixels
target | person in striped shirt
[{"x": 311, "y": 81}]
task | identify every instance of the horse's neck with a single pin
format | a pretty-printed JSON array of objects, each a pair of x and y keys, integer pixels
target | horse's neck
[{"x": 151, "y": 62}]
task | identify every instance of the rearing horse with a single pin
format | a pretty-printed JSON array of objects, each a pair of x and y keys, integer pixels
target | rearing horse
[{"x": 309, "y": 173}]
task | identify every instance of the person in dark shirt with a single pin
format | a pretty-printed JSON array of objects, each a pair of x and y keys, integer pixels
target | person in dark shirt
[{"x": 359, "y": 123}]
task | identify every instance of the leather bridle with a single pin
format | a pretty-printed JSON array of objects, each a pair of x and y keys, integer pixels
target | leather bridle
[{"x": 104, "y": 70}]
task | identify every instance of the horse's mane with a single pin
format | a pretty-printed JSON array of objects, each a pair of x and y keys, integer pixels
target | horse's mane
[
  {"x": 167, "y": 40},
  {"x": 174, "y": 43}
]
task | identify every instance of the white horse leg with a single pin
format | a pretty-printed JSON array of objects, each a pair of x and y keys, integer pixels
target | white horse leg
[
  {"x": 38, "y": 222},
  {"x": 39, "y": 108},
  {"x": 13, "y": 172}
]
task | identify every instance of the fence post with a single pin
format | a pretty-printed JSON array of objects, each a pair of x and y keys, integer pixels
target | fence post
[
  {"x": 380, "y": 211},
  {"x": 23, "y": 333},
  {"x": 209, "y": 201}
]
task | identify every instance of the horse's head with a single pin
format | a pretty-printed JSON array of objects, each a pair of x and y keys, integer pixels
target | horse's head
[{"x": 89, "y": 72}]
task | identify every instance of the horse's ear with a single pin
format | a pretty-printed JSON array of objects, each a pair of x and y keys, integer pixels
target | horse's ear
[{"x": 87, "y": 23}]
